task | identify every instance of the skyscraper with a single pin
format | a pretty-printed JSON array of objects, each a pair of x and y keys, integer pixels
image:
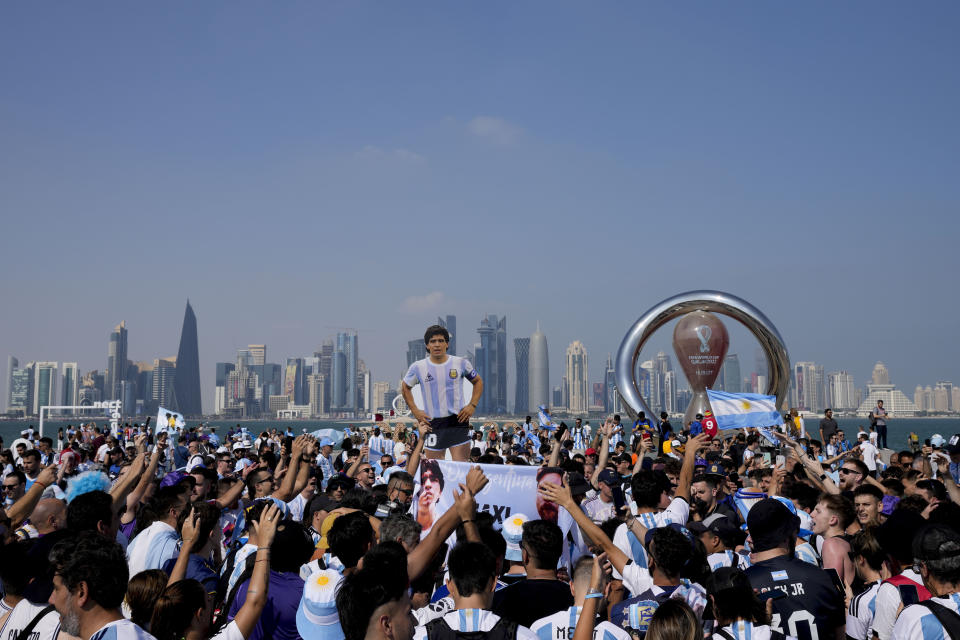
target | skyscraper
[
  {"x": 21, "y": 390},
  {"x": 416, "y": 350},
  {"x": 730, "y": 374},
  {"x": 450, "y": 324},
  {"x": 70, "y": 376},
  {"x": 116, "y": 362},
  {"x": 223, "y": 369},
  {"x": 805, "y": 376},
  {"x": 316, "y": 387},
  {"x": 44, "y": 385},
  {"x": 539, "y": 369},
  {"x": 521, "y": 397},
  {"x": 164, "y": 373},
  {"x": 880, "y": 374},
  {"x": 578, "y": 396},
  {"x": 294, "y": 380},
  {"x": 258, "y": 352},
  {"x": 325, "y": 353},
  {"x": 12, "y": 365},
  {"x": 841, "y": 393},
  {"x": 186, "y": 383},
  {"x": 492, "y": 364},
  {"x": 344, "y": 373},
  {"x": 610, "y": 386}
]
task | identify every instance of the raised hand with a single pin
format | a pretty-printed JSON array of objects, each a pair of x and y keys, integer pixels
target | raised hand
[
  {"x": 190, "y": 529},
  {"x": 266, "y": 528},
  {"x": 559, "y": 494},
  {"x": 476, "y": 480},
  {"x": 424, "y": 428},
  {"x": 48, "y": 475},
  {"x": 464, "y": 503}
]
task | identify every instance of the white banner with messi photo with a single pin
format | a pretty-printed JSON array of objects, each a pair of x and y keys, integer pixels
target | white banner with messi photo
[{"x": 512, "y": 489}]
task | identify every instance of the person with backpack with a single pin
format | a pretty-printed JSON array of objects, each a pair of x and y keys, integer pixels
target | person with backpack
[
  {"x": 472, "y": 582},
  {"x": 936, "y": 551}
]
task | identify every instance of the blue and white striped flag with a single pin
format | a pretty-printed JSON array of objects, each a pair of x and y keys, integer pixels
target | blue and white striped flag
[
  {"x": 546, "y": 420},
  {"x": 741, "y": 410}
]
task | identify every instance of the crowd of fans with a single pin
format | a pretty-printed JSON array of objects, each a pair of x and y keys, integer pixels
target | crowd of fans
[{"x": 672, "y": 535}]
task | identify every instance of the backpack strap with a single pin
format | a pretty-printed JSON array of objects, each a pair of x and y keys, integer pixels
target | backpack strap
[
  {"x": 438, "y": 629},
  {"x": 25, "y": 632},
  {"x": 947, "y": 617},
  {"x": 504, "y": 629},
  {"x": 723, "y": 633}
]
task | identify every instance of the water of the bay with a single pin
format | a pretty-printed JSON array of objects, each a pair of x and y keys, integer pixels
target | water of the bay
[{"x": 898, "y": 429}]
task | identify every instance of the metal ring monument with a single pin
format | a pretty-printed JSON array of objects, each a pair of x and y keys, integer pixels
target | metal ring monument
[{"x": 700, "y": 341}]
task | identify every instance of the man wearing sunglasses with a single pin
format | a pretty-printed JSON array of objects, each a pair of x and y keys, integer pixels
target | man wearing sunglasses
[
  {"x": 852, "y": 475},
  {"x": 14, "y": 486}
]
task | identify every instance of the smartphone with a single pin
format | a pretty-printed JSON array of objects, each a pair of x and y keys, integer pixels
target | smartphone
[
  {"x": 646, "y": 435},
  {"x": 619, "y": 501},
  {"x": 909, "y": 594},
  {"x": 773, "y": 594},
  {"x": 766, "y": 457},
  {"x": 781, "y": 461},
  {"x": 837, "y": 582}
]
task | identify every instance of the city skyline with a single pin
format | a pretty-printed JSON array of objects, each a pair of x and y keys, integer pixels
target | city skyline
[{"x": 336, "y": 381}]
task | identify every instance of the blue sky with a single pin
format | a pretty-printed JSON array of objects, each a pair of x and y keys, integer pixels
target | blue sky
[{"x": 297, "y": 167}]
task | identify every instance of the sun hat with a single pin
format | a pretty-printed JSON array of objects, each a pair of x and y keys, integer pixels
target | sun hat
[
  {"x": 317, "y": 616},
  {"x": 513, "y": 532}
]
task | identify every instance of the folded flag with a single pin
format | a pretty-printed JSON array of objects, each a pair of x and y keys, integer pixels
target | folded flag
[{"x": 741, "y": 410}]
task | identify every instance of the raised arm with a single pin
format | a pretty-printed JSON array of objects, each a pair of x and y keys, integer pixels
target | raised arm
[
  {"x": 588, "y": 616},
  {"x": 693, "y": 447},
  {"x": 23, "y": 507},
  {"x": 555, "y": 449},
  {"x": 646, "y": 446},
  {"x": 120, "y": 490},
  {"x": 604, "y": 451},
  {"x": 561, "y": 495},
  {"x": 133, "y": 498},
  {"x": 256, "y": 598},
  {"x": 285, "y": 492},
  {"x": 414, "y": 461},
  {"x": 189, "y": 543}
]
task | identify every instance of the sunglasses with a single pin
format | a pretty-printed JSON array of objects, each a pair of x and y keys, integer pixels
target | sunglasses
[{"x": 845, "y": 471}]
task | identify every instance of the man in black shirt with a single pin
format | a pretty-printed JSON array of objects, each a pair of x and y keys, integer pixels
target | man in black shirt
[
  {"x": 809, "y": 606},
  {"x": 541, "y": 593},
  {"x": 828, "y": 426}
]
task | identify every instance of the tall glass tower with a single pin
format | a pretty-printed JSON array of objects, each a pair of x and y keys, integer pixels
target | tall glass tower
[
  {"x": 186, "y": 381},
  {"x": 521, "y": 398},
  {"x": 344, "y": 373},
  {"x": 116, "y": 362}
]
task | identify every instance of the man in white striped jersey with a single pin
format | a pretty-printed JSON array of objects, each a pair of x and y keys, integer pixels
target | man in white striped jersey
[{"x": 444, "y": 406}]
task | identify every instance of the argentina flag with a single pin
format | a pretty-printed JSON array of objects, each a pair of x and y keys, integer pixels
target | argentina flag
[{"x": 740, "y": 410}]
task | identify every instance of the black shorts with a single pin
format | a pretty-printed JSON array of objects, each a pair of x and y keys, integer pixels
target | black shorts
[{"x": 447, "y": 432}]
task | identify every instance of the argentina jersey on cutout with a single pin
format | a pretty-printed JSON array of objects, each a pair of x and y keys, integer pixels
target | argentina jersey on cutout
[{"x": 441, "y": 385}]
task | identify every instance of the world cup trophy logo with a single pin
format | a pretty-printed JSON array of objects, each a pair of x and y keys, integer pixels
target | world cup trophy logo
[{"x": 700, "y": 341}]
